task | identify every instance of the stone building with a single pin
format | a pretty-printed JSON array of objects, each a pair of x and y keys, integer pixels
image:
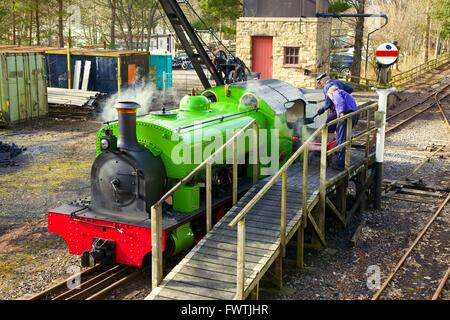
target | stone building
[{"x": 284, "y": 40}]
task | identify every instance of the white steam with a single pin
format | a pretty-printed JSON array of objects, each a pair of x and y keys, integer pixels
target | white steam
[{"x": 142, "y": 94}]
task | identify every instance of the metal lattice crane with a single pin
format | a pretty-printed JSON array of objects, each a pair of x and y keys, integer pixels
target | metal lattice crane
[{"x": 223, "y": 70}]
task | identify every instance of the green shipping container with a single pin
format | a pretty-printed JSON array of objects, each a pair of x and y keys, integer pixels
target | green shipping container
[{"x": 23, "y": 88}]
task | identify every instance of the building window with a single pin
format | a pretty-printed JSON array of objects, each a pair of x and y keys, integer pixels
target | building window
[{"x": 291, "y": 56}]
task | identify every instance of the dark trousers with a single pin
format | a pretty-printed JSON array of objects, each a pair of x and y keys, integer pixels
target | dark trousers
[
  {"x": 341, "y": 136},
  {"x": 330, "y": 117}
]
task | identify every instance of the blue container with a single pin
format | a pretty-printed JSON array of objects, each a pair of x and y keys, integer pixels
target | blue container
[
  {"x": 163, "y": 65},
  {"x": 105, "y": 76}
]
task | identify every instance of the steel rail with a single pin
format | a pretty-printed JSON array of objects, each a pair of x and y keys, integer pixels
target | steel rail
[
  {"x": 441, "y": 285},
  {"x": 435, "y": 103},
  {"x": 107, "y": 280},
  {"x": 63, "y": 284},
  {"x": 417, "y": 103},
  {"x": 95, "y": 287},
  {"x": 116, "y": 284},
  {"x": 86, "y": 284},
  {"x": 377, "y": 295},
  {"x": 441, "y": 110}
]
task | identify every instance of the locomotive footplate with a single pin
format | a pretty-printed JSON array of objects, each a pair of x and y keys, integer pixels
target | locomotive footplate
[{"x": 130, "y": 240}]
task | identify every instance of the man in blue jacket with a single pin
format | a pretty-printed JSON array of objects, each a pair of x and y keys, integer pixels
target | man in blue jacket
[
  {"x": 344, "y": 104},
  {"x": 325, "y": 82}
]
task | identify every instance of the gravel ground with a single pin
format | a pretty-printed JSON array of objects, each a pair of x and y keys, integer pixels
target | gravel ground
[
  {"x": 426, "y": 265},
  {"x": 54, "y": 170}
]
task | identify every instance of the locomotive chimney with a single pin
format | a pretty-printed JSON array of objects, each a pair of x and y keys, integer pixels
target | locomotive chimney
[{"x": 127, "y": 125}]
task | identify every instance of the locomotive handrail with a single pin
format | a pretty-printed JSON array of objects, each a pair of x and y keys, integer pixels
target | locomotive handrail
[
  {"x": 303, "y": 150},
  {"x": 216, "y": 119},
  {"x": 156, "y": 210}
]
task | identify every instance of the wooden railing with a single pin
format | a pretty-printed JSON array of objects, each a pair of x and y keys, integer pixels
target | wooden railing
[
  {"x": 399, "y": 80},
  {"x": 363, "y": 83},
  {"x": 369, "y": 108},
  {"x": 156, "y": 210}
]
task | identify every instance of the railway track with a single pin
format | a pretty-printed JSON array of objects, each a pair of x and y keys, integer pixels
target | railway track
[
  {"x": 441, "y": 285},
  {"x": 444, "y": 107},
  {"x": 416, "y": 191},
  {"x": 401, "y": 263},
  {"x": 434, "y": 149},
  {"x": 435, "y": 99},
  {"x": 94, "y": 283}
]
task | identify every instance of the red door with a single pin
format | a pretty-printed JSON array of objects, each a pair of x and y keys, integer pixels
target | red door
[
  {"x": 131, "y": 74},
  {"x": 262, "y": 56}
]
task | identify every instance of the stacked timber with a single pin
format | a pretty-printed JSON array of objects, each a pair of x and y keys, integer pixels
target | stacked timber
[{"x": 71, "y": 103}]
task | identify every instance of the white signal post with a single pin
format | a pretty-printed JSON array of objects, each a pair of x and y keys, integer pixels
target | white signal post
[{"x": 387, "y": 55}]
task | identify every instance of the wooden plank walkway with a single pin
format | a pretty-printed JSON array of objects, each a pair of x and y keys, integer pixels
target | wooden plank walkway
[{"x": 208, "y": 271}]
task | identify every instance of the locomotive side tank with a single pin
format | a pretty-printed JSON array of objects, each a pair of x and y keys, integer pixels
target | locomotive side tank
[{"x": 139, "y": 158}]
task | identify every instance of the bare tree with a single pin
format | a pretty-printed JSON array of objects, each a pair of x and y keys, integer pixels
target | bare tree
[
  {"x": 360, "y": 6},
  {"x": 14, "y": 27},
  {"x": 38, "y": 24},
  {"x": 427, "y": 33},
  {"x": 30, "y": 42},
  {"x": 125, "y": 7},
  {"x": 113, "y": 4},
  {"x": 60, "y": 23},
  {"x": 150, "y": 21}
]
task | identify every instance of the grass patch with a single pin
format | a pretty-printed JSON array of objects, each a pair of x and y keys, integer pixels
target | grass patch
[
  {"x": 10, "y": 262},
  {"x": 49, "y": 176}
]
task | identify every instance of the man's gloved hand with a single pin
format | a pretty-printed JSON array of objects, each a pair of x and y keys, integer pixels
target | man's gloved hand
[{"x": 320, "y": 111}]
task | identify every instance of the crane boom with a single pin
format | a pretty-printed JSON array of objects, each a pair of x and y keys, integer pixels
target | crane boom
[{"x": 191, "y": 43}]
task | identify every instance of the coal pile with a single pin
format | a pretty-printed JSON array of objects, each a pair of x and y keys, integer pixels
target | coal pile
[{"x": 8, "y": 151}]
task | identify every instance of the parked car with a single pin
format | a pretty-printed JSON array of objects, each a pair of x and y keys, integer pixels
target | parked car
[
  {"x": 341, "y": 63},
  {"x": 182, "y": 61},
  {"x": 342, "y": 42}
]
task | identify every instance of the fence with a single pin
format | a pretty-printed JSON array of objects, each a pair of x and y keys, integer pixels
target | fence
[
  {"x": 399, "y": 80},
  {"x": 403, "y": 78}
]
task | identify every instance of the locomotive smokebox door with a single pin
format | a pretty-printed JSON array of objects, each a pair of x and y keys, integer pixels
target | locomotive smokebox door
[{"x": 129, "y": 179}]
